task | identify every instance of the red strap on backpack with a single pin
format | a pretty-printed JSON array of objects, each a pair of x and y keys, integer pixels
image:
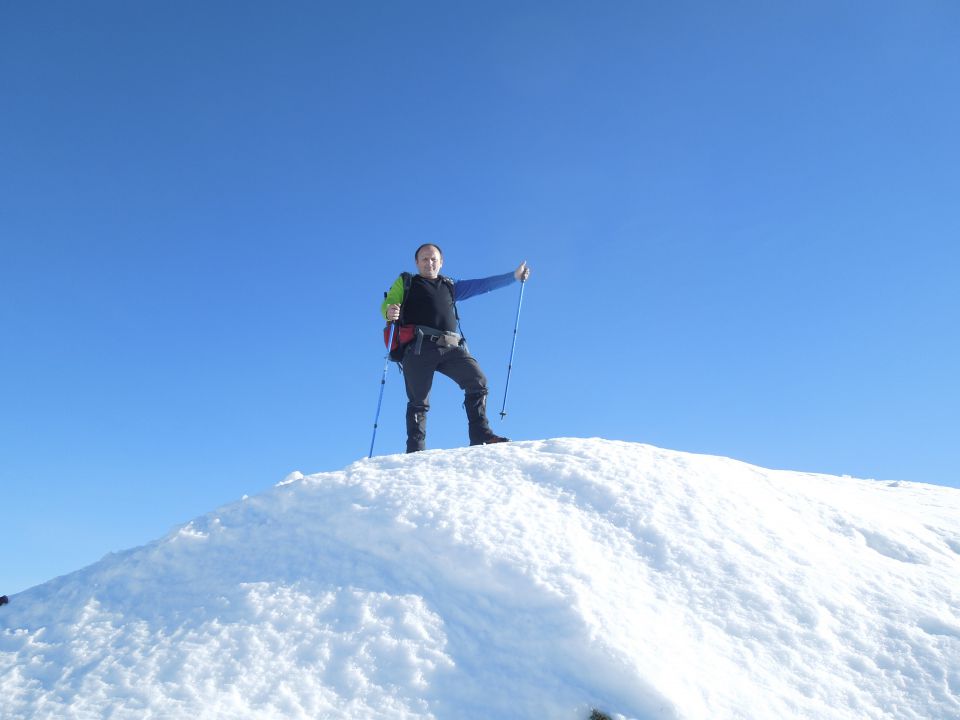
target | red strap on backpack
[{"x": 402, "y": 337}]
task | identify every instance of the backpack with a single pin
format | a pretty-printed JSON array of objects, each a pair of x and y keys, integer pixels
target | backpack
[{"x": 404, "y": 334}]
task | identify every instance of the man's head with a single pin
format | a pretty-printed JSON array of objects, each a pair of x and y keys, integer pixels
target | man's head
[{"x": 429, "y": 259}]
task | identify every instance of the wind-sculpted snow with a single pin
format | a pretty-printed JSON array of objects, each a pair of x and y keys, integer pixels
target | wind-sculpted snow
[{"x": 529, "y": 580}]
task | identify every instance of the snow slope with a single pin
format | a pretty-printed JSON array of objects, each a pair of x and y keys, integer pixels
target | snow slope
[{"x": 529, "y": 580}]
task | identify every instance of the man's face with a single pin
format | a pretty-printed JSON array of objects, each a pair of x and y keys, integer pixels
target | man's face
[{"x": 429, "y": 262}]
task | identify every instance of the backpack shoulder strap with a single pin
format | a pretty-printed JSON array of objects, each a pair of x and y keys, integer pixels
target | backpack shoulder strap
[
  {"x": 450, "y": 283},
  {"x": 407, "y": 279}
]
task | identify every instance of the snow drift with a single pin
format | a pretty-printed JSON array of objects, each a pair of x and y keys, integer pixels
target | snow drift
[{"x": 529, "y": 580}]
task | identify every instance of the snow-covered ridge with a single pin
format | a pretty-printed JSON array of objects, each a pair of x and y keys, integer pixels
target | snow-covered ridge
[{"x": 529, "y": 580}]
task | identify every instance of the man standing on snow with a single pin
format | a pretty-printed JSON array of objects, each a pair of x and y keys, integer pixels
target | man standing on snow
[{"x": 424, "y": 308}]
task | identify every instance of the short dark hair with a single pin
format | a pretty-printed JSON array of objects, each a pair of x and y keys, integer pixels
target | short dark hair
[{"x": 416, "y": 255}]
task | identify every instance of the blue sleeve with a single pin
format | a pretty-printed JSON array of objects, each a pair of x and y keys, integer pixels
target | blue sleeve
[{"x": 464, "y": 289}]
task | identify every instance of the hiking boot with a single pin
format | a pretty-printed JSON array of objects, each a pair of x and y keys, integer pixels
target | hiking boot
[
  {"x": 489, "y": 439},
  {"x": 479, "y": 428}
]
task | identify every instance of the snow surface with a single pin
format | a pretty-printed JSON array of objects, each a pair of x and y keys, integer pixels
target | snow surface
[{"x": 530, "y": 580}]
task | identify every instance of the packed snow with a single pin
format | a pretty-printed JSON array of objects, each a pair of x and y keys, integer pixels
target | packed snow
[{"x": 526, "y": 580}]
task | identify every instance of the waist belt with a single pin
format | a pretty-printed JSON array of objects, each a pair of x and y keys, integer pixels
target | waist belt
[{"x": 443, "y": 338}]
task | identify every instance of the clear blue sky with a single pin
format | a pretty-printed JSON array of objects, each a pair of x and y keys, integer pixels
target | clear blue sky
[{"x": 742, "y": 220}]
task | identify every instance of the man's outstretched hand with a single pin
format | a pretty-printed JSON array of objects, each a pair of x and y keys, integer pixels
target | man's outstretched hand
[{"x": 522, "y": 272}]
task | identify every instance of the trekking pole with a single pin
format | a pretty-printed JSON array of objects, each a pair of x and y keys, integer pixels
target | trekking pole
[
  {"x": 516, "y": 325},
  {"x": 383, "y": 382}
]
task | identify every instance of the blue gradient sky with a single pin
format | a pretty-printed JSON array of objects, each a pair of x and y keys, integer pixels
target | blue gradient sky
[{"x": 742, "y": 221}]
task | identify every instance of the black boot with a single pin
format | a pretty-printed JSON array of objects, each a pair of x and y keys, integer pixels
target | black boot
[
  {"x": 416, "y": 429},
  {"x": 480, "y": 432}
]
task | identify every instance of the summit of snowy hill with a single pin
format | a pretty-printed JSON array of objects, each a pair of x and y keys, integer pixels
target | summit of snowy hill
[{"x": 525, "y": 580}]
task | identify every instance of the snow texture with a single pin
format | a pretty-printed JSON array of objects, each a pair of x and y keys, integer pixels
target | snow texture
[{"x": 525, "y": 580}]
